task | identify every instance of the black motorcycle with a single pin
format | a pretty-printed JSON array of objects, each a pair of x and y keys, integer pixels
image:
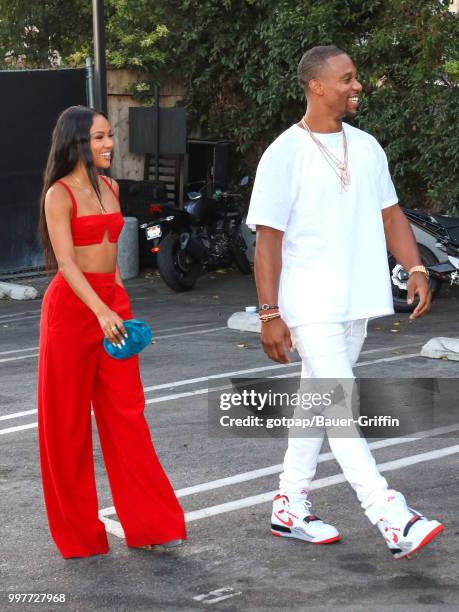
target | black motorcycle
[
  {"x": 446, "y": 232},
  {"x": 206, "y": 234}
]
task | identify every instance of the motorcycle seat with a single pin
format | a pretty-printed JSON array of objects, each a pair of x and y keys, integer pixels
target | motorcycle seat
[
  {"x": 454, "y": 234},
  {"x": 447, "y": 222}
]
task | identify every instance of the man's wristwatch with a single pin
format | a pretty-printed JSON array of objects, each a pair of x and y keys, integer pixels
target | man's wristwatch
[
  {"x": 422, "y": 269},
  {"x": 267, "y": 307}
]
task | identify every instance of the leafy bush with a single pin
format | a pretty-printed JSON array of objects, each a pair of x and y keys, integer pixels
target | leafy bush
[{"x": 238, "y": 60}]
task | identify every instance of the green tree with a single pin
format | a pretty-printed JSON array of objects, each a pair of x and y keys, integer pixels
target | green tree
[
  {"x": 39, "y": 34},
  {"x": 59, "y": 33},
  {"x": 238, "y": 61}
]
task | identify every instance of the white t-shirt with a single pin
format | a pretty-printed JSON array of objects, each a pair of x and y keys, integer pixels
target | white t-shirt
[{"x": 334, "y": 257}]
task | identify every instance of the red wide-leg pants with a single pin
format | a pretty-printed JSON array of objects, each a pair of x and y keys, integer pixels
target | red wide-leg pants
[{"x": 74, "y": 373}]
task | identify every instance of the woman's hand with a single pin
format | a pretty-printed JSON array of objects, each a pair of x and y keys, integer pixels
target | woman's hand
[{"x": 112, "y": 326}]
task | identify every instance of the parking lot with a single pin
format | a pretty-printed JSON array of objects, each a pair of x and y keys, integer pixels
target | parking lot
[{"x": 230, "y": 561}]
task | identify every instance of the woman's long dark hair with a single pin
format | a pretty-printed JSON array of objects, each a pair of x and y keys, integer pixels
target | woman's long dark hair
[{"x": 70, "y": 144}]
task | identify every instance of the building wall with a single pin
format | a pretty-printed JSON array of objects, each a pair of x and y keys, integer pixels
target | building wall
[{"x": 128, "y": 165}]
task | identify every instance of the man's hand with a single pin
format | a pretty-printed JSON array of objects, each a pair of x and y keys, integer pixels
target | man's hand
[
  {"x": 276, "y": 340},
  {"x": 402, "y": 244},
  {"x": 418, "y": 285}
]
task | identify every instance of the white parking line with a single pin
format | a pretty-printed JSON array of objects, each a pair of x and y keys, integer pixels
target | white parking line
[
  {"x": 276, "y": 469},
  {"x": 15, "y": 415},
  {"x": 321, "y": 483},
  {"x": 234, "y": 373},
  {"x": 160, "y": 337},
  {"x": 189, "y": 381},
  {"x": 169, "y": 329},
  {"x": 14, "y": 319},
  {"x": 386, "y": 359},
  {"x": 115, "y": 528},
  {"x": 18, "y": 358},
  {"x": 18, "y": 314},
  {"x": 160, "y": 331},
  {"x": 363, "y": 363},
  {"x": 24, "y": 350},
  {"x": 19, "y": 428},
  {"x": 217, "y": 595},
  {"x": 167, "y": 398},
  {"x": 192, "y": 333},
  {"x": 203, "y": 391},
  {"x": 112, "y": 526}
]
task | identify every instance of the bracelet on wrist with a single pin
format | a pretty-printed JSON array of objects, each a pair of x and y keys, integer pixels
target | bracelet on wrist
[
  {"x": 422, "y": 269},
  {"x": 269, "y": 317},
  {"x": 265, "y": 307}
]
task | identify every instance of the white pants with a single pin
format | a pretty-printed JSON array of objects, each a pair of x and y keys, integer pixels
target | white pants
[{"x": 329, "y": 350}]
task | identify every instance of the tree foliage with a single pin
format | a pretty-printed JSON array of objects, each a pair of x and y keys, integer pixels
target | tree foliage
[
  {"x": 241, "y": 58},
  {"x": 42, "y": 34},
  {"x": 238, "y": 60},
  {"x": 39, "y": 34}
]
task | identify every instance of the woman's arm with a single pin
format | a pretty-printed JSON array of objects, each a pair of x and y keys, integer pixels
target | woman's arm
[
  {"x": 116, "y": 189},
  {"x": 115, "y": 186},
  {"x": 58, "y": 212},
  {"x": 118, "y": 276}
]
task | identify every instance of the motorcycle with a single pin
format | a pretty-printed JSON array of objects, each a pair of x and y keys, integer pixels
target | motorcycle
[
  {"x": 206, "y": 234},
  {"x": 445, "y": 230}
]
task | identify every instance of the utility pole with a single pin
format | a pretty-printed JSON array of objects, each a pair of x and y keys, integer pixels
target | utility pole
[
  {"x": 90, "y": 82},
  {"x": 100, "y": 71}
]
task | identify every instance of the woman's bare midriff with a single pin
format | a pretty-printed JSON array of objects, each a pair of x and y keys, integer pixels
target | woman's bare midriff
[{"x": 100, "y": 258}]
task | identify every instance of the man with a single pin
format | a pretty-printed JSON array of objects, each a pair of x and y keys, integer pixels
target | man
[{"x": 324, "y": 207}]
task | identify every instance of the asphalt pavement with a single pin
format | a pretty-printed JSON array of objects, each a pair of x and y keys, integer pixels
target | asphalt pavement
[{"x": 230, "y": 560}]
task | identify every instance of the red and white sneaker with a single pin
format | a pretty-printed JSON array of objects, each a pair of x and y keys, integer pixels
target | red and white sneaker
[
  {"x": 404, "y": 529},
  {"x": 295, "y": 521}
]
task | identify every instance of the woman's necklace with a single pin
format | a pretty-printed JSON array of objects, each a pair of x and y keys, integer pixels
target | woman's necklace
[
  {"x": 89, "y": 190},
  {"x": 340, "y": 168}
]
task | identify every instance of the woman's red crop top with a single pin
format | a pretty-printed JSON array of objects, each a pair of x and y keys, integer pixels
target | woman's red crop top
[{"x": 90, "y": 229}]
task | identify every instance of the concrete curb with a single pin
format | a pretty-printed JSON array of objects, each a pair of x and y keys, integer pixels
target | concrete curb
[
  {"x": 441, "y": 348},
  {"x": 245, "y": 321},
  {"x": 17, "y": 292}
]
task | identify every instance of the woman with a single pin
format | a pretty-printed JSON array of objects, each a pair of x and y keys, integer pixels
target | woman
[{"x": 80, "y": 221}]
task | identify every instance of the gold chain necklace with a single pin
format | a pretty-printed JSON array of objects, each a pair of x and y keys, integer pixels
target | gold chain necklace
[
  {"x": 90, "y": 191},
  {"x": 340, "y": 168}
]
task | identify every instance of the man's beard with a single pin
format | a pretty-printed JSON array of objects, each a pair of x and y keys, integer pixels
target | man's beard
[{"x": 350, "y": 114}]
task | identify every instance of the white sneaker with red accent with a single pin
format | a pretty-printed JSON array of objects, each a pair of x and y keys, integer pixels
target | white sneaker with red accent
[
  {"x": 295, "y": 521},
  {"x": 404, "y": 529}
]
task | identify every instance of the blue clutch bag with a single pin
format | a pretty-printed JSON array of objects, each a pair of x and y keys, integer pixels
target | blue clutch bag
[{"x": 139, "y": 336}]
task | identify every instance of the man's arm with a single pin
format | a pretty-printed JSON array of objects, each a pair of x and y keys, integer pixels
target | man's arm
[
  {"x": 275, "y": 335},
  {"x": 402, "y": 245}
]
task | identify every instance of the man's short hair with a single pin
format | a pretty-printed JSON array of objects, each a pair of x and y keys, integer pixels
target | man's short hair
[{"x": 313, "y": 61}]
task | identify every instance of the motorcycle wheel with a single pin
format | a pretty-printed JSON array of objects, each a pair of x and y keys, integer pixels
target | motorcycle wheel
[
  {"x": 177, "y": 269},
  {"x": 399, "y": 294},
  {"x": 238, "y": 251}
]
